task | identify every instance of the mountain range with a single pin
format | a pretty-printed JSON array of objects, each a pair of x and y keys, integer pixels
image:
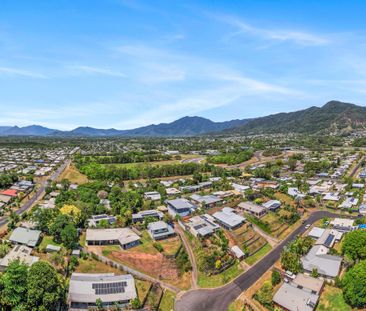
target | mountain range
[{"x": 334, "y": 116}]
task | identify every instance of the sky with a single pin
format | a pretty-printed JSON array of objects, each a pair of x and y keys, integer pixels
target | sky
[{"x": 128, "y": 63}]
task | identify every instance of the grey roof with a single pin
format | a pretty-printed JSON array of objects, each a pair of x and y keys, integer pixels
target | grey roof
[
  {"x": 228, "y": 218},
  {"x": 25, "y": 236},
  {"x": 295, "y": 299},
  {"x": 83, "y": 287},
  {"x": 20, "y": 252},
  {"x": 251, "y": 207},
  {"x": 327, "y": 265},
  {"x": 207, "y": 199},
  {"x": 123, "y": 235},
  {"x": 160, "y": 229},
  {"x": 180, "y": 204},
  {"x": 150, "y": 212}
]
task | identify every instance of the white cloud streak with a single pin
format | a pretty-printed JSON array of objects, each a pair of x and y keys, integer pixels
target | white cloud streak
[
  {"x": 277, "y": 35},
  {"x": 8, "y": 71},
  {"x": 97, "y": 71}
]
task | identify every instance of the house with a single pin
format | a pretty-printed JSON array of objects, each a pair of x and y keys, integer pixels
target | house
[
  {"x": 272, "y": 205},
  {"x": 331, "y": 196},
  {"x": 181, "y": 207},
  {"x": 329, "y": 237},
  {"x": 122, "y": 236},
  {"x": 328, "y": 266},
  {"x": 228, "y": 219},
  {"x": 343, "y": 224},
  {"x": 25, "y": 236},
  {"x": 362, "y": 209},
  {"x": 295, "y": 192},
  {"x": 266, "y": 184},
  {"x": 253, "y": 209},
  {"x": 349, "y": 203},
  {"x": 202, "y": 225},
  {"x": 206, "y": 201},
  {"x": 140, "y": 216},
  {"x": 85, "y": 289},
  {"x": 9, "y": 192},
  {"x": 96, "y": 219},
  {"x": 153, "y": 196},
  {"x": 292, "y": 298},
  {"x": 306, "y": 282},
  {"x": 172, "y": 191},
  {"x": 160, "y": 230},
  {"x": 316, "y": 232},
  {"x": 21, "y": 253},
  {"x": 240, "y": 188}
]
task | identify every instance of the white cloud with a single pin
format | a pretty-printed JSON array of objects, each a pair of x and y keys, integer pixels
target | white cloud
[
  {"x": 97, "y": 71},
  {"x": 8, "y": 71},
  {"x": 280, "y": 35}
]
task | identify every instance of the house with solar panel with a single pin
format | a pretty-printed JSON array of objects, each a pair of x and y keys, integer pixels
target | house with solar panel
[
  {"x": 85, "y": 289},
  {"x": 124, "y": 237},
  {"x": 140, "y": 216},
  {"x": 202, "y": 225},
  {"x": 96, "y": 219}
]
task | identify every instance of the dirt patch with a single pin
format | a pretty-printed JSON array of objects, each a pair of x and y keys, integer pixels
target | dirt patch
[{"x": 156, "y": 265}]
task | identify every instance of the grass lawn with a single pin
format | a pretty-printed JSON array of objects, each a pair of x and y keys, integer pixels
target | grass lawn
[
  {"x": 91, "y": 265},
  {"x": 146, "y": 245},
  {"x": 143, "y": 288},
  {"x": 205, "y": 281},
  {"x": 167, "y": 302},
  {"x": 284, "y": 198},
  {"x": 237, "y": 305},
  {"x": 332, "y": 300},
  {"x": 82, "y": 239},
  {"x": 258, "y": 255},
  {"x": 47, "y": 239},
  {"x": 109, "y": 249},
  {"x": 170, "y": 245}
]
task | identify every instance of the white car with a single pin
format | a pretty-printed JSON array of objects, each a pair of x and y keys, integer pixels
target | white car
[{"x": 307, "y": 226}]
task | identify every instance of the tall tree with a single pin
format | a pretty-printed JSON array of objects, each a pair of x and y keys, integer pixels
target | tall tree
[{"x": 45, "y": 288}]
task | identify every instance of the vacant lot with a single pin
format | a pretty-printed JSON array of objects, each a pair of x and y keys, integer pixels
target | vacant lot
[
  {"x": 332, "y": 300},
  {"x": 72, "y": 174}
]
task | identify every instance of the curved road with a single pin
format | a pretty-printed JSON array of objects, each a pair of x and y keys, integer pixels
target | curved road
[{"x": 218, "y": 299}]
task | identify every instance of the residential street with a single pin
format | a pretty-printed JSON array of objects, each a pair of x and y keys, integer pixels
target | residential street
[
  {"x": 218, "y": 299},
  {"x": 39, "y": 194}
]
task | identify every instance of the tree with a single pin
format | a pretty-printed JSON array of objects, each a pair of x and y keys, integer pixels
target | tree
[
  {"x": 354, "y": 245},
  {"x": 265, "y": 294},
  {"x": 291, "y": 261},
  {"x": 58, "y": 225},
  {"x": 276, "y": 278},
  {"x": 4, "y": 249},
  {"x": 354, "y": 285},
  {"x": 69, "y": 236},
  {"x": 45, "y": 288},
  {"x": 13, "y": 285}
]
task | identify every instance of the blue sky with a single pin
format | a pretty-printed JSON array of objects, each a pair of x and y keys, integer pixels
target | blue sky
[{"x": 126, "y": 63}]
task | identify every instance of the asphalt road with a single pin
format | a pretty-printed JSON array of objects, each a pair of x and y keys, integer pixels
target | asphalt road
[
  {"x": 218, "y": 299},
  {"x": 38, "y": 195}
]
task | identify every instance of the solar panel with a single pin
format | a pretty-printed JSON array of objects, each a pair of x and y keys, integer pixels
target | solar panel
[
  {"x": 109, "y": 288},
  {"x": 329, "y": 240}
]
